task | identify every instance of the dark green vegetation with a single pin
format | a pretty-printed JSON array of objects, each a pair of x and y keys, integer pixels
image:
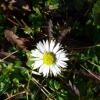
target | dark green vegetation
[{"x": 74, "y": 23}]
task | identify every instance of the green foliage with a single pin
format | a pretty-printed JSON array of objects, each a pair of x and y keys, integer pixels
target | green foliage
[
  {"x": 53, "y": 4},
  {"x": 58, "y": 91},
  {"x": 1, "y": 16},
  {"x": 96, "y": 13},
  {"x": 25, "y": 22}
]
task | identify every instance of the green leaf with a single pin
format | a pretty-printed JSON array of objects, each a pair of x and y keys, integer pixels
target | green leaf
[
  {"x": 27, "y": 30},
  {"x": 16, "y": 81},
  {"x": 51, "y": 84},
  {"x": 29, "y": 61},
  {"x": 60, "y": 98},
  {"x": 96, "y": 13},
  {"x": 53, "y": 4},
  {"x": 56, "y": 85}
]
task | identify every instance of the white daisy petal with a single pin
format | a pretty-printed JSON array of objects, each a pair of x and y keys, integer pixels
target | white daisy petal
[
  {"x": 59, "y": 52},
  {"x": 46, "y": 71},
  {"x": 37, "y": 64},
  {"x": 62, "y": 56},
  {"x": 62, "y": 64},
  {"x": 56, "y": 48},
  {"x": 36, "y": 53},
  {"x": 47, "y": 46},
  {"x": 53, "y": 71},
  {"x": 57, "y": 69},
  {"x": 64, "y": 59},
  {"x": 52, "y": 44},
  {"x": 40, "y": 47},
  {"x": 41, "y": 68},
  {"x": 44, "y": 43},
  {"x": 33, "y": 53}
]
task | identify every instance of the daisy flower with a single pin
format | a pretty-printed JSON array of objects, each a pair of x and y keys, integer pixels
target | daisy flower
[{"x": 49, "y": 58}]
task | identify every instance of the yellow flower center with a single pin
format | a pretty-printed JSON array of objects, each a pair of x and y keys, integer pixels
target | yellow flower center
[{"x": 49, "y": 58}]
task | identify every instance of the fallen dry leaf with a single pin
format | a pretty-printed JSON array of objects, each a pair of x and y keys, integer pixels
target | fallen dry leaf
[{"x": 15, "y": 40}]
